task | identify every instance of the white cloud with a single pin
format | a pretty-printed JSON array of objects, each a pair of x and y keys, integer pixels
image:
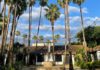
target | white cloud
[
  {"x": 35, "y": 13},
  {"x": 76, "y": 9}
]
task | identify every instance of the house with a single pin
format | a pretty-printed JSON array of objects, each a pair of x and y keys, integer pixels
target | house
[{"x": 40, "y": 54}]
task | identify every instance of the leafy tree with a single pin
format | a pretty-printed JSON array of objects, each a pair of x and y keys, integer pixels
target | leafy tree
[{"x": 92, "y": 36}]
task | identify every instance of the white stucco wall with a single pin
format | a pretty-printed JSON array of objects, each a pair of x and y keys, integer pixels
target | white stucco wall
[
  {"x": 98, "y": 55},
  {"x": 73, "y": 59}
]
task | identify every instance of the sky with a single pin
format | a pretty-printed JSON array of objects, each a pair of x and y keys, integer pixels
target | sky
[{"x": 90, "y": 10}]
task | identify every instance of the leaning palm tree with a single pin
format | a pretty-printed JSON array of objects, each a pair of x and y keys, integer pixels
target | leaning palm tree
[
  {"x": 79, "y": 3},
  {"x": 64, "y": 4},
  {"x": 18, "y": 7},
  {"x": 42, "y": 4},
  {"x": 0, "y": 5},
  {"x": 0, "y": 24},
  {"x": 52, "y": 14},
  {"x": 3, "y": 28},
  {"x": 30, "y": 4}
]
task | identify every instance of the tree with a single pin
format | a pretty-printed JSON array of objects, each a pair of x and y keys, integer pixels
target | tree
[
  {"x": 64, "y": 4},
  {"x": 41, "y": 38},
  {"x": 0, "y": 5},
  {"x": 79, "y": 3},
  {"x": 0, "y": 24},
  {"x": 18, "y": 7},
  {"x": 42, "y": 4},
  {"x": 17, "y": 33},
  {"x": 57, "y": 37},
  {"x": 35, "y": 38},
  {"x": 91, "y": 35},
  {"x": 30, "y": 4},
  {"x": 24, "y": 38},
  {"x": 52, "y": 14}
]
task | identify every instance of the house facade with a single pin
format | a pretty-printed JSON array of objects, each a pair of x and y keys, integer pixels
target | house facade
[{"x": 41, "y": 54}]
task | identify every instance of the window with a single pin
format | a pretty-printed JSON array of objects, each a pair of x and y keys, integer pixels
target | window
[
  {"x": 58, "y": 58},
  {"x": 40, "y": 58}
]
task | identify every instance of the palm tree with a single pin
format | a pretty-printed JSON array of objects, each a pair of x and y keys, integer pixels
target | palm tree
[
  {"x": 3, "y": 29},
  {"x": 24, "y": 38},
  {"x": 17, "y": 33},
  {"x": 52, "y": 14},
  {"x": 79, "y": 3},
  {"x": 57, "y": 37},
  {"x": 41, "y": 38},
  {"x": 18, "y": 7},
  {"x": 0, "y": 24},
  {"x": 42, "y": 4},
  {"x": 30, "y": 4},
  {"x": 35, "y": 38},
  {"x": 64, "y": 4},
  {"x": 0, "y": 5}
]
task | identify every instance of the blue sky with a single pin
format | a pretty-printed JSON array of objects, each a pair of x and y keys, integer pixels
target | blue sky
[{"x": 90, "y": 13}]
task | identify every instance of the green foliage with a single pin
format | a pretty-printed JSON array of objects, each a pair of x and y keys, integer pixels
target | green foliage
[
  {"x": 52, "y": 13},
  {"x": 57, "y": 37},
  {"x": 80, "y": 57},
  {"x": 43, "y": 2},
  {"x": 79, "y": 2},
  {"x": 96, "y": 64},
  {"x": 18, "y": 65},
  {"x": 17, "y": 33},
  {"x": 92, "y": 35}
]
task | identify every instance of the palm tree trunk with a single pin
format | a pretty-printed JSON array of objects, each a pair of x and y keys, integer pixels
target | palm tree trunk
[
  {"x": 3, "y": 30},
  {"x": 68, "y": 37},
  {"x": 39, "y": 25},
  {"x": 82, "y": 27},
  {"x": 53, "y": 39},
  {"x": 12, "y": 35},
  {"x": 0, "y": 7},
  {"x": 65, "y": 36},
  {"x": 8, "y": 21},
  {"x": 30, "y": 23}
]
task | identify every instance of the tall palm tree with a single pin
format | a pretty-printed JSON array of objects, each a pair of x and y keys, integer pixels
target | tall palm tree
[
  {"x": 18, "y": 7},
  {"x": 52, "y": 14},
  {"x": 24, "y": 38},
  {"x": 0, "y": 24},
  {"x": 30, "y": 4},
  {"x": 17, "y": 33},
  {"x": 64, "y": 4},
  {"x": 0, "y": 5},
  {"x": 3, "y": 28},
  {"x": 79, "y": 3},
  {"x": 42, "y": 4}
]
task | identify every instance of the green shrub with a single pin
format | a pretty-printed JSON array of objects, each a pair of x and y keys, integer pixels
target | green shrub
[
  {"x": 96, "y": 64},
  {"x": 83, "y": 65}
]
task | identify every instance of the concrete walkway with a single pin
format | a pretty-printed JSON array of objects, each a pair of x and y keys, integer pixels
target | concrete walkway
[{"x": 44, "y": 68}]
